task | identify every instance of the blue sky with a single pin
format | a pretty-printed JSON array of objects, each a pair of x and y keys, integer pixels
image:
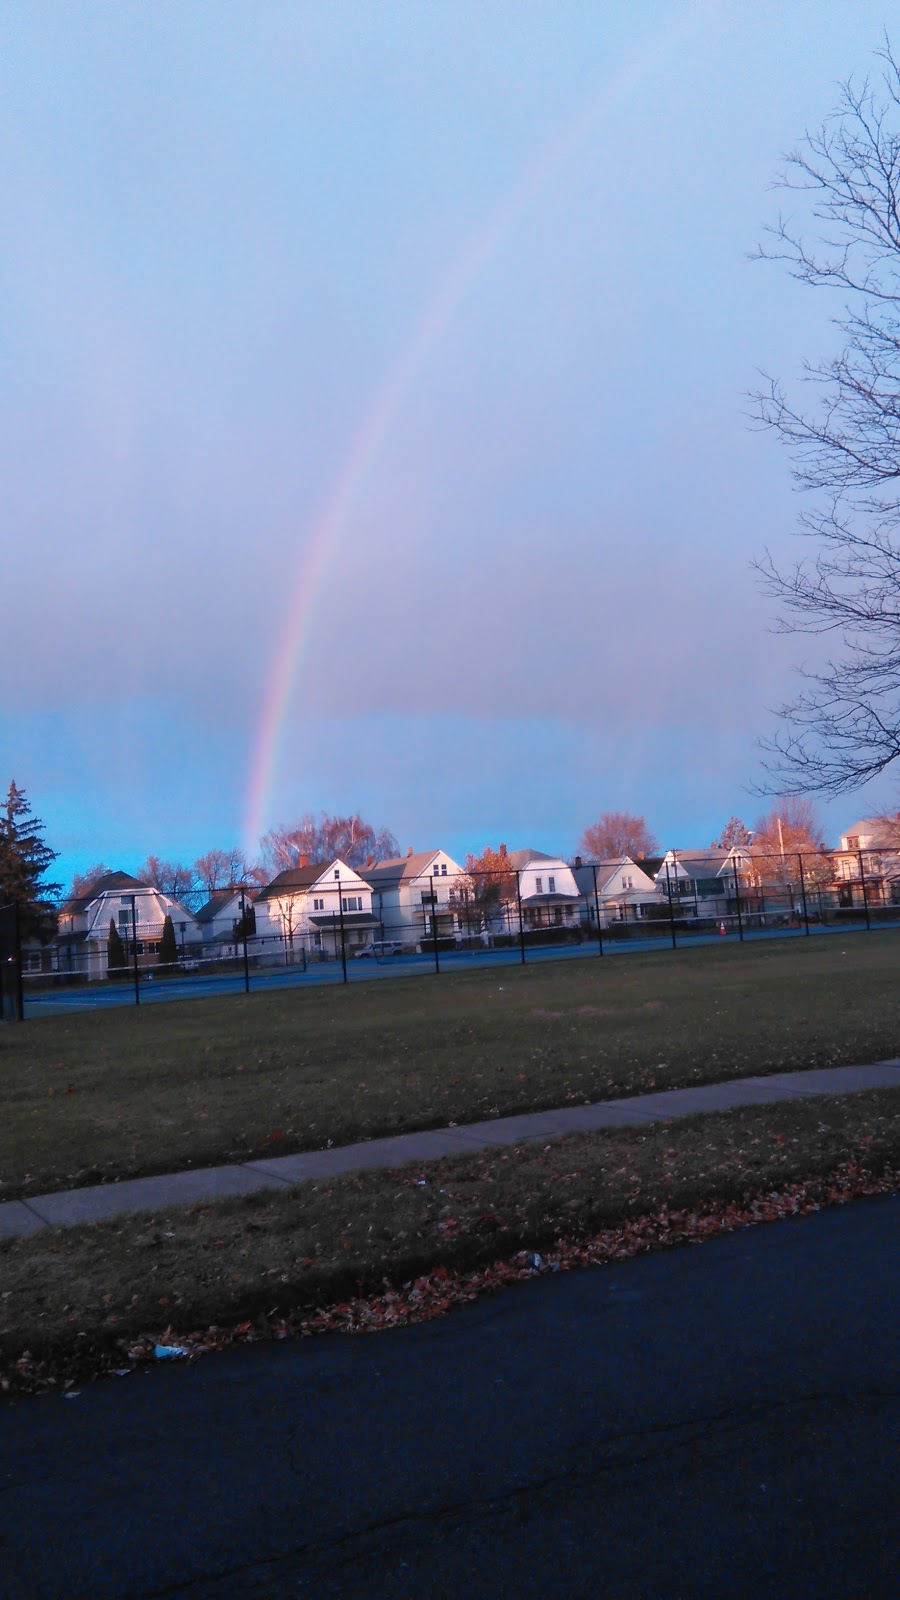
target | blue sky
[{"x": 222, "y": 228}]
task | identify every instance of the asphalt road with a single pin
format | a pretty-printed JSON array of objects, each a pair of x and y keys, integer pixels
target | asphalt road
[{"x": 719, "y": 1421}]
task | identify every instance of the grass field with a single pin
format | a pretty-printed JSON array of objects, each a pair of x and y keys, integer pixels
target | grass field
[
  {"x": 75, "y": 1301},
  {"x": 108, "y": 1094}
]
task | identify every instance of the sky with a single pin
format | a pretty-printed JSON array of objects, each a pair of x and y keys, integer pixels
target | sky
[{"x": 373, "y": 419}]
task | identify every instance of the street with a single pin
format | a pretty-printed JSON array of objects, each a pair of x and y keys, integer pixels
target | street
[{"x": 716, "y": 1421}]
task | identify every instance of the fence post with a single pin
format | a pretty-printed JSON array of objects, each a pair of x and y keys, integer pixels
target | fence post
[
  {"x": 244, "y": 938},
  {"x": 803, "y": 894},
  {"x": 737, "y": 899},
  {"x": 437, "y": 959},
  {"x": 862, "y": 879},
  {"x": 521, "y": 924},
  {"x": 597, "y": 910},
  {"x": 341, "y": 915},
  {"x": 137, "y": 976},
  {"x": 20, "y": 988},
  {"x": 671, "y": 915}
]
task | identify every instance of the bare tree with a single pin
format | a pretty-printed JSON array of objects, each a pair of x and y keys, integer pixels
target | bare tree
[
  {"x": 735, "y": 832},
  {"x": 83, "y": 881},
  {"x": 350, "y": 838},
  {"x": 618, "y": 833},
  {"x": 791, "y": 829},
  {"x": 844, "y": 725},
  {"x": 171, "y": 878},
  {"x": 220, "y": 869}
]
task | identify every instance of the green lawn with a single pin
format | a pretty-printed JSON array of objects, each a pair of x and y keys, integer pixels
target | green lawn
[{"x": 99, "y": 1095}]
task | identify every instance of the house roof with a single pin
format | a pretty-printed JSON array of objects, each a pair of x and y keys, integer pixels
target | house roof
[
  {"x": 606, "y": 870},
  {"x": 523, "y": 858},
  {"x": 107, "y": 883},
  {"x": 217, "y": 902},
  {"x": 881, "y": 831},
  {"x": 295, "y": 879},
  {"x": 395, "y": 869}
]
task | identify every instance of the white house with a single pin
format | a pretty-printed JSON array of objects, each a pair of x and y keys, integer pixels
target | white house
[
  {"x": 706, "y": 883},
  {"x": 220, "y": 921},
  {"x": 418, "y": 896},
  {"x": 869, "y": 856},
  {"x": 545, "y": 888},
  {"x": 138, "y": 912},
  {"x": 308, "y": 911},
  {"x": 618, "y": 889}
]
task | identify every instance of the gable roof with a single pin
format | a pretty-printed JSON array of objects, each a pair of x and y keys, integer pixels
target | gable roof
[
  {"x": 882, "y": 832},
  {"x": 218, "y": 900},
  {"x": 522, "y": 858},
  {"x": 395, "y": 869},
  {"x": 295, "y": 879}
]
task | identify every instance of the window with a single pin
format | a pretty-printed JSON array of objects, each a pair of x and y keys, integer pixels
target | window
[
  {"x": 628, "y": 882},
  {"x": 853, "y": 841},
  {"x": 551, "y": 885},
  {"x": 125, "y": 918},
  {"x": 318, "y": 905},
  {"x": 539, "y": 882},
  {"x": 337, "y": 872},
  {"x": 352, "y": 902},
  {"x": 443, "y": 869}
]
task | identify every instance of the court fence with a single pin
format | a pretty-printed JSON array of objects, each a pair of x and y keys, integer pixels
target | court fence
[{"x": 445, "y": 922}]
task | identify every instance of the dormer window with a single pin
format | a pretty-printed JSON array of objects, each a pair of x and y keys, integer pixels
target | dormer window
[{"x": 539, "y": 882}]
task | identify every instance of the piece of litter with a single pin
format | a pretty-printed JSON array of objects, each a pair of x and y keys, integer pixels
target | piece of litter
[
  {"x": 71, "y": 1394},
  {"x": 122, "y": 1372},
  {"x": 169, "y": 1352}
]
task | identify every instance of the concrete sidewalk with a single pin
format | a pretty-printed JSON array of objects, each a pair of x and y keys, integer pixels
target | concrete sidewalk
[{"x": 73, "y": 1207}]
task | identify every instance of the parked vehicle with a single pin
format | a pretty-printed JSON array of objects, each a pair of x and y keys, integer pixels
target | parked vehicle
[{"x": 381, "y": 947}]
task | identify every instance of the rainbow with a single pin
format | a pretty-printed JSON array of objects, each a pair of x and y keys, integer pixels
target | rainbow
[{"x": 387, "y": 402}]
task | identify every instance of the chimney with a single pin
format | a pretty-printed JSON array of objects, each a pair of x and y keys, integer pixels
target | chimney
[
  {"x": 578, "y": 862},
  {"x": 304, "y": 859},
  {"x": 370, "y": 861},
  {"x": 409, "y": 851}
]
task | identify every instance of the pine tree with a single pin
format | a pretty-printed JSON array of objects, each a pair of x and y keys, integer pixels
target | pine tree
[
  {"x": 25, "y": 857},
  {"x": 168, "y": 947},
  {"x": 116, "y": 959}
]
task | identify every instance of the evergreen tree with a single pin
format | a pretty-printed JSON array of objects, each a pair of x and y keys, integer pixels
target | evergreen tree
[
  {"x": 168, "y": 946},
  {"x": 25, "y": 858},
  {"x": 116, "y": 959}
]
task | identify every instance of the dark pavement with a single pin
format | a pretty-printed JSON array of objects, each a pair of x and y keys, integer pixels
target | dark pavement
[{"x": 716, "y": 1421}]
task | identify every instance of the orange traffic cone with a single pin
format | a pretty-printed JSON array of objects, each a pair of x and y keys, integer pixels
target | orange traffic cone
[{"x": 722, "y": 928}]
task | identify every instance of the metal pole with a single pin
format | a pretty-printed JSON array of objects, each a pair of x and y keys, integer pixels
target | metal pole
[
  {"x": 341, "y": 913},
  {"x": 597, "y": 909},
  {"x": 803, "y": 893},
  {"x": 862, "y": 879},
  {"x": 671, "y": 915},
  {"x": 20, "y": 989},
  {"x": 737, "y": 900},
  {"x": 437, "y": 959},
  {"x": 521, "y": 924},
  {"x": 137, "y": 976},
  {"x": 244, "y": 939}
]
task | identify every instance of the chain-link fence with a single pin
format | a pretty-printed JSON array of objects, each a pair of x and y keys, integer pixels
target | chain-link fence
[{"x": 350, "y": 928}]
